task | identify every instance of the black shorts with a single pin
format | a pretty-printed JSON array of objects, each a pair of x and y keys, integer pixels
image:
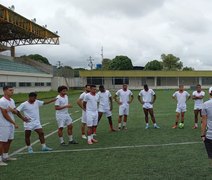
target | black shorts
[{"x": 208, "y": 146}]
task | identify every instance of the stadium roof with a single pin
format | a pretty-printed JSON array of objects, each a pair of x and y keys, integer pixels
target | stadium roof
[
  {"x": 16, "y": 30},
  {"x": 98, "y": 73}
]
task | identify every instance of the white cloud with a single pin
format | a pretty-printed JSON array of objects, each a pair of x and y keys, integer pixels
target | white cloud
[{"x": 140, "y": 29}]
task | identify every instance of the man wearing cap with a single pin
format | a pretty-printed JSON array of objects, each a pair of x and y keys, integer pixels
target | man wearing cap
[{"x": 206, "y": 131}]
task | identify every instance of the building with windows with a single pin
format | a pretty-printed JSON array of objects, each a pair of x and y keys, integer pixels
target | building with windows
[{"x": 155, "y": 79}]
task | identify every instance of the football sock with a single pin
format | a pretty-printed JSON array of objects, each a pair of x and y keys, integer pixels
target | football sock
[
  {"x": 196, "y": 124},
  {"x": 155, "y": 124},
  {"x": 70, "y": 138},
  {"x": 43, "y": 145},
  {"x": 5, "y": 155},
  {"x": 119, "y": 125},
  {"x": 147, "y": 124},
  {"x": 124, "y": 124},
  {"x": 61, "y": 140},
  {"x": 89, "y": 138},
  {"x": 0, "y": 158}
]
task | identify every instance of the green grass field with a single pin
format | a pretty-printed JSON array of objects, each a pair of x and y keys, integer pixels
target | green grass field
[{"x": 135, "y": 153}]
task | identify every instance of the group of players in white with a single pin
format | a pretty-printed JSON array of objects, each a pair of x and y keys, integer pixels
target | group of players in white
[{"x": 93, "y": 104}]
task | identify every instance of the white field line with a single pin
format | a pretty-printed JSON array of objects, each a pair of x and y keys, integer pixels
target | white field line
[
  {"x": 41, "y": 125},
  {"x": 116, "y": 147},
  {"x": 35, "y": 142}
]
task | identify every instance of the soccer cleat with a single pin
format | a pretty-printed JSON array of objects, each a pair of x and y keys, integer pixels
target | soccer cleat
[
  {"x": 94, "y": 140},
  {"x": 194, "y": 127},
  {"x": 90, "y": 142},
  {"x": 84, "y": 136},
  {"x": 46, "y": 149},
  {"x": 124, "y": 127},
  {"x": 174, "y": 127},
  {"x": 3, "y": 163},
  {"x": 119, "y": 128},
  {"x": 147, "y": 127},
  {"x": 9, "y": 159},
  {"x": 30, "y": 150},
  {"x": 63, "y": 144},
  {"x": 156, "y": 127},
  {"x": 73, "y": 142}
]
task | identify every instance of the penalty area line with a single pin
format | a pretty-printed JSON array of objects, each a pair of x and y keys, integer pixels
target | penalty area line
[
  {"x": 115, "y": 147},
  {"x": 35, "y": 142}
]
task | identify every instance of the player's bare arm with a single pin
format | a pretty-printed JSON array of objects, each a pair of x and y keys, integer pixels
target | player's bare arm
[
  {"x": 140, "y": 100},
  {"x": 84, "y": 105},
  {"x": 63, "y": 107},
  {"x": 50, "y": 101},
  {"x": 80, "y": 103},
  {"x": 8, "y": 118},
  {"x": 115, "y": 98},
  {"x": 131, "y": 99}
]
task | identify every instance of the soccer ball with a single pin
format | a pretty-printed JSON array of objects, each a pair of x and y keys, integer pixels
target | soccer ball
[{"x": 181, "y": 125}]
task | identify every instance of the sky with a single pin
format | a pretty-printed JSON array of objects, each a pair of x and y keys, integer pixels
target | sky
[{"x": 139, "y": 29}]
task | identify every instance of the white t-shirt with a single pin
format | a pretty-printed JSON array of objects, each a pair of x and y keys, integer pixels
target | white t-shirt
[
  {"x": 147, "y": 95},
  {"x": 61, "y": 101},
  {"x": 198, "y": 102},
  {"x": 181, "y": 98},
  {"x": 92, "y": 101},
  {"x": 5, "y": 104},
  {"x": 124, "y": 96},
  {"x": 31, "y": 111},
  {"x": 104, "y": 100}
]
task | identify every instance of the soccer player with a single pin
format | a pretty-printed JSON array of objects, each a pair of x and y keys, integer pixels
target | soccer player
[
  {"x": 90, "y": 106},
  {"x": 105, "y": 105},
  {"x": 62, "y": 116},
  {"x": 30, "y": 108},
  {"x": 181, "y": 96},
  {"x": 197, "y": 96},
  {"x": 7, "y": 124},
  {"x": 80, "y": 104},
  {"x": 206, "y": 130},
  {"x": 123, "y": 97},
  {"x": 148, "y": 98}
]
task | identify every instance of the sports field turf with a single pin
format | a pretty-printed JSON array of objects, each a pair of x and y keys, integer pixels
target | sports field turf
[{"x": 135, "y": 153}]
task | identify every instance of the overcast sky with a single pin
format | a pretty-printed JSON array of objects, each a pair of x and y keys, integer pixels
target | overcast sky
[{"x": 139, "y": 29}]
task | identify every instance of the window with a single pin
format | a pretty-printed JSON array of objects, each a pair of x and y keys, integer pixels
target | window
[
  {"x": 120, "y": 81},
  {"x": 25, "y": 84},
  {"x": 48, "y": 84},
  {"x": 2, "y": 84},
  {"x": 95, "y": 80},
  {"x": 39, "y": 84},
  {"x": 13, "y": 84}
]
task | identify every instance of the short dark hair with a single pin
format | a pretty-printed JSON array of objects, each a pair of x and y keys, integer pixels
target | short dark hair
[
  {"x": 32, "y": 94},
  {"x": 61, "y": 88},
  {"x": 87, "y": 85},
  {"x": 145, "y": 86},
  {"x": 92, "y": 86},
  {"x": 101, "y": 86},
  {"x": 6, "y": 88}
]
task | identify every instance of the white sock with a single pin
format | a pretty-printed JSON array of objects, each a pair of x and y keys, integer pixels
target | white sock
[
  {"x": 0, "y": 158},
  {"x": 155, "y": 124},
  {"x": 119, "y": 125},
  {"x": 196, "y": 124},
  {"x": 124, "y": 123},
  {"x": 147, "y": 124},
  {"x": 70, "y": 138},
  {"x": 61, "y": 140},
  {"x": 29, "y": 147},
  {"x": 5, "y": 155},
  {"x": 43, "y": 145},
  {"x": 89, "y": 138}
]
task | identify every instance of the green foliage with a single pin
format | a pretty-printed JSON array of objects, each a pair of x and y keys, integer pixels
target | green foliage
[
  {"x": 105, "y": 63},
  {"x": 171, "y": 62},
  {"x": 154, "y": 65},
  {"x": 188, "y": 69},
  {"x": 77, "y": 70},
  {"x": 38, "y": 58},
  {"x": 121, "y": 63}
]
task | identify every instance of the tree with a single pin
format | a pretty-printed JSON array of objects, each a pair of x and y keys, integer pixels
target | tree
[
  {"x": 121, "y": 63},
  {"x": 171, "y": 62},
  {"x": 38, "y": 58},
  {"x": 188, "y": 69},
  {"x": 154, "y": 65},
  {"x": 105, "y": 63}
]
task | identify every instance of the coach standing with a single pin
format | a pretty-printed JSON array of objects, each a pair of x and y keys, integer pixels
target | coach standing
[{"x": 207, "y": 125}]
